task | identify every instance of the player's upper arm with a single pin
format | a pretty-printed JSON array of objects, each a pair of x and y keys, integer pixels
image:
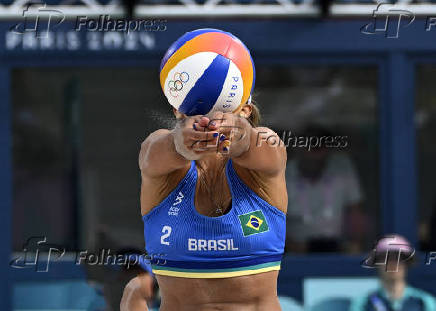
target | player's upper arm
[{"x": 266, "y": 154}]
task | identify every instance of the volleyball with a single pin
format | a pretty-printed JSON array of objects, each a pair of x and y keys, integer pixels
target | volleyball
[{"x": 207, "y": 70}]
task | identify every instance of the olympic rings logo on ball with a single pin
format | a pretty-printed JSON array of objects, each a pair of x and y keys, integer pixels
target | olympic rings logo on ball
[{"x": 176, "y": 85}]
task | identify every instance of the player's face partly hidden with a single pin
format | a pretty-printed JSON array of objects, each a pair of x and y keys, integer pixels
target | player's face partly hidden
[{"x": 243, "y": 111}]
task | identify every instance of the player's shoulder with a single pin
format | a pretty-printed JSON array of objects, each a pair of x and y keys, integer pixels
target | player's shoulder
[
  {"x": 155, "y": 134},
  {"x": 360, "y": 303},
  {"x": 426, "y": 297}
]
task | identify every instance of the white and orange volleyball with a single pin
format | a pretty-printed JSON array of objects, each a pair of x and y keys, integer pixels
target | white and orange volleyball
[{"x": 207, "y": 70}]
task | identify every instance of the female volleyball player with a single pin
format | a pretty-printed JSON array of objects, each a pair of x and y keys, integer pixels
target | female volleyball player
[
  {"x": 213, "y": 194},
  {"x": 217, "y": 219}
]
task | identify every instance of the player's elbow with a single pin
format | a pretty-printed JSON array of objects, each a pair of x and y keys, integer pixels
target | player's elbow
[
  {"x": 144, "y": 154},
  {"x": 270, "y": 152},
  {"x": 274, "y": 162},
  {"x": 149, "y": 150}
]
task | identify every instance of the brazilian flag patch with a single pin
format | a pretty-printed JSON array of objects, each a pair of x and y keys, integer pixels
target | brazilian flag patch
[{"x": 253, "y": 223}]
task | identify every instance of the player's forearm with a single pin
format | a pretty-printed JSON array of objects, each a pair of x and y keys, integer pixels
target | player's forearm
[
  {"x": 158, "y": 155},
  {"x": 135, "y": 304},
  {"x": 132, "y": 299},
  {"x": 240, "y": 139}
]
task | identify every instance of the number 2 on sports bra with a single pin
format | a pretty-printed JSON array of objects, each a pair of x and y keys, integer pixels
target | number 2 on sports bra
[{"x": 166, "y": 230}]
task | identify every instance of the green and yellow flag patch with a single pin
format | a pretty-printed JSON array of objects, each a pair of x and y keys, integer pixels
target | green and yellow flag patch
[{"x": 253, "y": 223}]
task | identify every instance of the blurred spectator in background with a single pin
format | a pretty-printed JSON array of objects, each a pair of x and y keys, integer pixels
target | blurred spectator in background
[
  {"x": 324, "y": 195},
  {"x": 427, "y": 232},
  {"x": 432, "y": 230},
  {"x": 394, "y": 293}
]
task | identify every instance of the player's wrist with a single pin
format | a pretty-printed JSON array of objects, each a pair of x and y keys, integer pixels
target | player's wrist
[
  {"x": 241, "y": 138},
  {"x": 179, "y": 148}
]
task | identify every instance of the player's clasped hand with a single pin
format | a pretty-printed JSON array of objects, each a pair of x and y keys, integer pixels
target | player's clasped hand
[
  {"x": 191, "y": 135},
  {"x": 213, "y": 139},
  {"x": 229, "y": 127},
  {"x": 198, "y": 135}
]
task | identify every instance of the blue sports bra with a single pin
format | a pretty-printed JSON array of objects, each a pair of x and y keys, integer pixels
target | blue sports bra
[{"x": 181, "y": 242}]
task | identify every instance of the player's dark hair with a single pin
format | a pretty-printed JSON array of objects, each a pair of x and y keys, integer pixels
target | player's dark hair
[{"x": 254, "y": 117}]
